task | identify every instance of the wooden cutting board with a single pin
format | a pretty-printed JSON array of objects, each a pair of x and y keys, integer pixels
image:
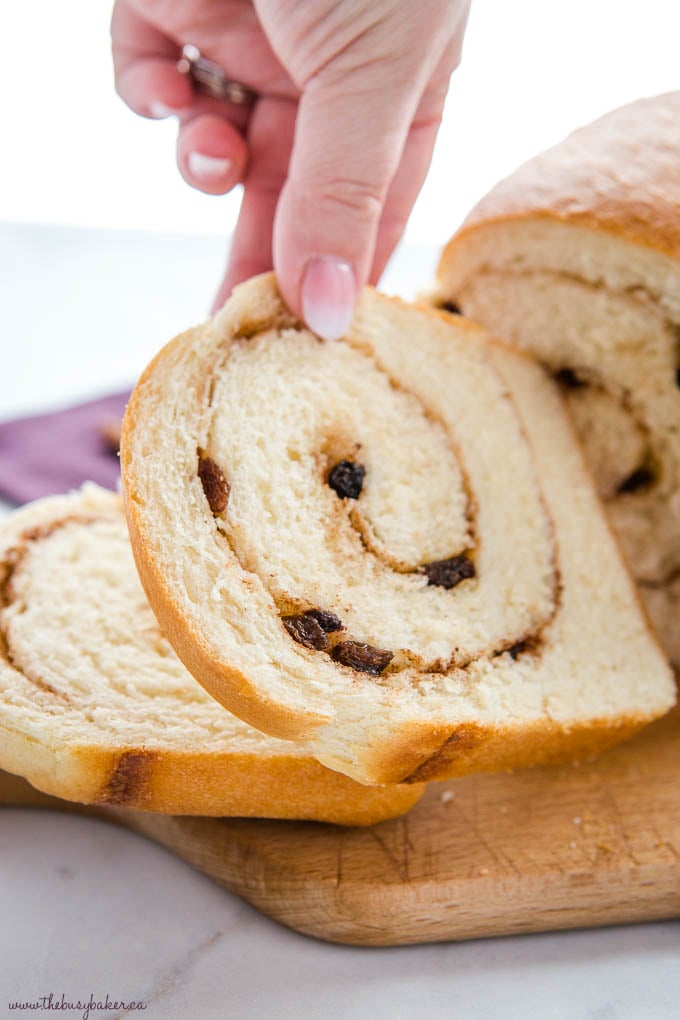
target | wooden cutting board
[{"x": 566, "y": 847}]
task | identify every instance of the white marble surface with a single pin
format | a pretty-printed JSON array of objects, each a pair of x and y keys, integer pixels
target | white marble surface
[
  {"x": 96, "y": 909},
  {"x": 87, "y": 908}
]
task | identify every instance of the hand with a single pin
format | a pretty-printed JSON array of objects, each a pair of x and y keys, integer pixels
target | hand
[{"x": 334, "y": 150}]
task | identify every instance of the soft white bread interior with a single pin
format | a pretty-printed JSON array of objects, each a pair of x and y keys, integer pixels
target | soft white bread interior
[
  {"x": 387, "y": 547},
  {"x": 576, "y": 258},
  {"x": 95, "y": 706}
]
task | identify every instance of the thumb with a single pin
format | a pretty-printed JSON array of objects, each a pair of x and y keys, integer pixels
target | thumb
[{"x": 350, "y": 133}]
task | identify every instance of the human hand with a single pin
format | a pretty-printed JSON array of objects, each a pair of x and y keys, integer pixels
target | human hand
[{"x": 337, "y": 144}]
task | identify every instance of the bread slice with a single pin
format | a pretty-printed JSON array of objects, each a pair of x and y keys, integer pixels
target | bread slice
[
  {"x": 387, "y": 548},
  {"x": 576, "y": 258},
  {"x": 95, "y": 706}
]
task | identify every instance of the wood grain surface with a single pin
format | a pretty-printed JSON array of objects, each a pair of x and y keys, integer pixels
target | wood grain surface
[{"x": 581, "y": 845}]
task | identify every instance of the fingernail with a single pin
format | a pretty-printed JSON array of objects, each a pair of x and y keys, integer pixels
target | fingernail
[
  {"x": 328, "y": 294},
  {"x": 160, "y": 110},
  {"x": 204, "y": 166}
]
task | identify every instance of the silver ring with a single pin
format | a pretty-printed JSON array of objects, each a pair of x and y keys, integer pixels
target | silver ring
[{"x": 209, "y": 78}]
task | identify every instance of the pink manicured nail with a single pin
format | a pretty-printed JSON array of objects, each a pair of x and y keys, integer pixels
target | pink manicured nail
[
  {"x": 328, "y": 294},
  {"x": 206, "y": 167}
]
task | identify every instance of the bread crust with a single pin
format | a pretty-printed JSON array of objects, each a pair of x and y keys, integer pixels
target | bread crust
[
  {"x": 475, "y": 748},
  {"x": 210, "y": 784},
  {"x": 596, "y": 178}
]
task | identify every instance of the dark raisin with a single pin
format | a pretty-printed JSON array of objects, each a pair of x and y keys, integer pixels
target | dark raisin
[
  {"x": 639, "y": 479},
  {"x": 569, "y": 379},
  {"x": 516, "y": 650},
  {"x": 215, "y": 485},
  {"x": 449, "y": 573},
  {"x": 306, "y": 631},
  {"x": 451, "y": 307},
  {"x": 329, "y": 622},
  {"x": 347, "y": 479},
  {"x": 677, "y": 377},
  {"x": 364, "y": 658}
]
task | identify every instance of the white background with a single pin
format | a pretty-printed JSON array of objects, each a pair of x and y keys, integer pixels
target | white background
[
  {"x": 96, "y": 909},
  {"x": 83, "y": 310},
  {"x": 532, "y": 70}
]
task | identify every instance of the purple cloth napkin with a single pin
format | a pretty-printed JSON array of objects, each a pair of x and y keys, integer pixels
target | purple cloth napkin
[{"x": 50, "y": 453}]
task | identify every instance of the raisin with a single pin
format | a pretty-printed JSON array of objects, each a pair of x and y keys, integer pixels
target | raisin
[
  {"x": 677, "y": 377},
  {"x": 347, "y": 479},
  {"x": 639, "y": 479},
  {"x": 449, "y": 573},
  {"x": 306, "y": 631},
  {"x": 364, "y": 658},
  {"x": 516, "y": 650},
  {"x": 215, "y": 485},
  {"x": 569, "y": 379},
  {"x": 451, "y": 307},
  {"x": 329, "y": 622}
]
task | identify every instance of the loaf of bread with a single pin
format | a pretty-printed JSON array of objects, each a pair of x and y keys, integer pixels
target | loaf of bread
[
  {"x": 95, "y": 706},
  {"x": 576, "y": 258},
  {"x": 387, "y": 548}
]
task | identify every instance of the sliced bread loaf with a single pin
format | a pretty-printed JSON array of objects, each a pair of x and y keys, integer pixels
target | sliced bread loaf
[
  {"x": 387, "y": 548},
  {"x": 95, "y": 706},
  {"x": 576, "y": 258}
]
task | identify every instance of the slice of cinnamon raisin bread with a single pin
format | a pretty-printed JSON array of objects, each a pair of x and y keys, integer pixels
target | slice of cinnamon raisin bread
[
  {"x": 576, "y": 258},
  {"x": 96, "y": 707},
  {"x": 387, "y": 548}
]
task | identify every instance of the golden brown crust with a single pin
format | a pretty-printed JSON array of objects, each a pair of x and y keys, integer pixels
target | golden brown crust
[
  {"x": 596, "y": 178},
  {"x": 215, "y": 784},
  {"x": 475, "y": 748}
]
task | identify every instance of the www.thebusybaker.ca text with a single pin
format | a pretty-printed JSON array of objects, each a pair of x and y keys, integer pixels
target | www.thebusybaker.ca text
[{"x": 84, "y": 1007}]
